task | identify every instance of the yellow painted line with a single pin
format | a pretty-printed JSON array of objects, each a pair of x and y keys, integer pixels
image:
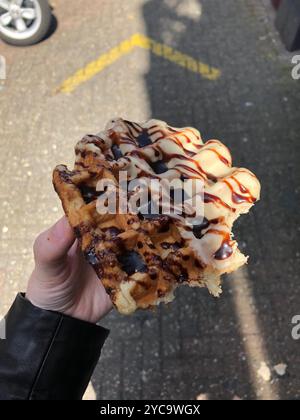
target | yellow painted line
[
  {"x": 96, "y": 66},
  {"x": 127, "y": 46},
  {"x": 177, "y": 57}
]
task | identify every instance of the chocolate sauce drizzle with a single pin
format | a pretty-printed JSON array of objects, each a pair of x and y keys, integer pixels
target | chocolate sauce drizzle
[
  {"x": 187, "y": 162},
  {"x": 224, "y": 252}
]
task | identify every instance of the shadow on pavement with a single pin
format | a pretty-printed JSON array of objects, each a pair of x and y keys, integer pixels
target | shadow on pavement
[
  {"x": 194, "y": 346},
  {"x": 252, "y": 108},
  {"x": 201, "y": 349},
  {"x": 53, "y": 27}
]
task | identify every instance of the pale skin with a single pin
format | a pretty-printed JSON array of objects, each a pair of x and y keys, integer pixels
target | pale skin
[{"x": 62, "y": 281}]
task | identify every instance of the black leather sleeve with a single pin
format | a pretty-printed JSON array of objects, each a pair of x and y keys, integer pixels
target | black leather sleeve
[{"x": 46, "y": 355}]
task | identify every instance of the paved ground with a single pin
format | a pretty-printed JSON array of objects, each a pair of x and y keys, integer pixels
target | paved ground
[{"x": 198, "y": 345}]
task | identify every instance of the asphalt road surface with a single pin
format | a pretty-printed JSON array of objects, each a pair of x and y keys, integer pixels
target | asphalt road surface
[{"x": 236, "y": 85}]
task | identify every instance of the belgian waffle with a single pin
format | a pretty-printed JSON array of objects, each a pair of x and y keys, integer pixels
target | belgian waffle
[{"x": 142, "y": 258}]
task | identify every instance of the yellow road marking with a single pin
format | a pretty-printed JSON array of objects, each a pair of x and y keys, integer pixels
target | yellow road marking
[{"x": 125, "y": 47}]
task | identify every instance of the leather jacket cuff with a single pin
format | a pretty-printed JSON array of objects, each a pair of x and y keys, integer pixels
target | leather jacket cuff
[{"x": 47, "y": 355}]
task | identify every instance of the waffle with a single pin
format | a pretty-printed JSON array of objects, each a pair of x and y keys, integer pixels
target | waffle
[{"x": 142, "y": 258}]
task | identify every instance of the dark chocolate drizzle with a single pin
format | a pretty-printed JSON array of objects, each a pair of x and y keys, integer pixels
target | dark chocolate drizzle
[
  {"x": 116, "y": 151},
  {"x": 89, "y": 194},
  {"x": 144, "y": 139},
  {"x": 92, "y": 257},
  {"x": 132, "y": 262},
  {"x": 159, "y": 167},
  {"x": 224, "y": 252},
  {"x": 197, "y": 229}
]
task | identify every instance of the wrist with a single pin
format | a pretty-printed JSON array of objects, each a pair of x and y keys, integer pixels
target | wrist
[{"x": 51, "y": 307}]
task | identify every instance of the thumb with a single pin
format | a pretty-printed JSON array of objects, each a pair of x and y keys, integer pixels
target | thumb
[{"x": 51, "y": 247}]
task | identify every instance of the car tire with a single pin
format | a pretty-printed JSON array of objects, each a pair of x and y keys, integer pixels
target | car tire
[{"x": 41, "y": 31}]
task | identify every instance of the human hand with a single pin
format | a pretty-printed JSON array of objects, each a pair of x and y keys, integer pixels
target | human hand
[{"x": 62, "y": 280}]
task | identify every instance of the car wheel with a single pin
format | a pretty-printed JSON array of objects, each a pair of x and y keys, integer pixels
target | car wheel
[{"x": 24, "y": 22}]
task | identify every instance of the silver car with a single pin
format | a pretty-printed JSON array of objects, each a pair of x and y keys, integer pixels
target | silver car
[{"x": 24, "y": 22}]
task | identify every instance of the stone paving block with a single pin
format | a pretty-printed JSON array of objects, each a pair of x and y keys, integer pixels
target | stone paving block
[
  {"x": 132, "y": 367},
  {"x": 170, "y": 328},
  {"x": 108, "y": 376},
  {"x": 153, "y": 358}
]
